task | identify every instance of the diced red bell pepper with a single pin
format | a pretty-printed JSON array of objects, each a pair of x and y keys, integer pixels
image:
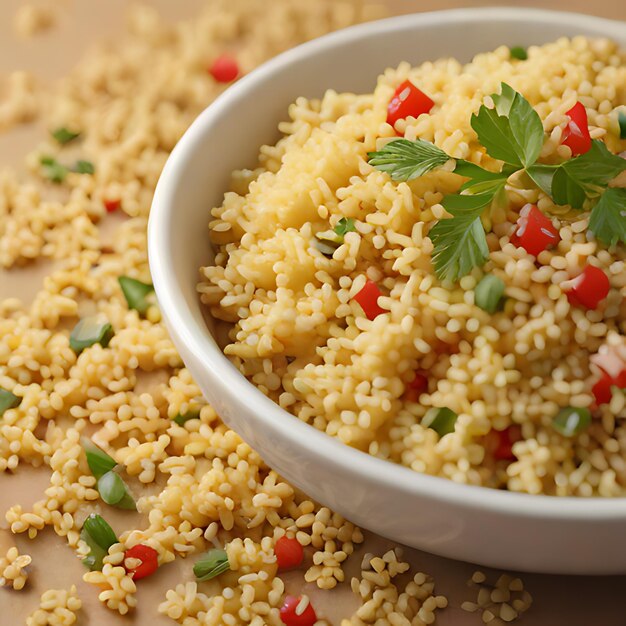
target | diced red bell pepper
[
  {"x": 534, "y": 231},
  {"x": 576, "y": 134},
  {"x": 289, "y": 553},
  {"x": 589, "y": 288},
  {"x": 112, "y": 205},
  {"x": 149, "y": 558},
  {"x": 602, "y": 389},
  {"x": 368, "y": 299},
  {"x": 290, "y": 617},
  {"x": 407, "y": 101},
  {"x": 416, "y": 387},
  {"x": 504, "y": 440},
  {"x": 224, "y": 69}
]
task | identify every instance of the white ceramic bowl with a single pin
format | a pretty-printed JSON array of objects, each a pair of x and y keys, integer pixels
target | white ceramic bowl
[{"x": 496, "y": 528}]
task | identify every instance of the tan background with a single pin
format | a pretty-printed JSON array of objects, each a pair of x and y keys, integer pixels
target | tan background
[{"x": 558, "y": 600}]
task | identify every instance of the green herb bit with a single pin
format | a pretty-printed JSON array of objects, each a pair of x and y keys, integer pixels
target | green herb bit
[
  {"x": 211, "y": 564},
  {"x": 99, "y": 536},
  {"x": 405, "y": 160},
  {"x": 89, "y": 331},
  {"x": 136, "y": 293},
  {"x": 608, "y": 217},
  {"x": 84, "y": 167},
  {"x": 326, "y": 248},
  {"x": 8, "y": 400},
  {"x": 99, "y": 461},
  {"x": 53, "y": 170},
  {"x": 344, "y": 225},
  {"x": 571, "y": 421},
  {"x": 114, "y": 491},
  {"x": 488, "y": 293},
  {"x": 182, "y": 418},
  {"x": 621, "y": 120},
  {"x": 441, "y": 420},
  {"x": 519, "y": 53},
  {"x": 63, "y": 135}
]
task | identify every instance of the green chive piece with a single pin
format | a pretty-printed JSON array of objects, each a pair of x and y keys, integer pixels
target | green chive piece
[
  {"x": 571, "y": 421},
  {"x": 53, "y": 170},
  {"x": 63, "y": 135},
  {"x": 136, "y": 293},
  {"x": 488, "y": 293},
  {"x": 114, "y": 491},
  {"x": 211, "y": 564},
  {"x": 84, "y": 167},
  {"x": 621, "y": 119},
  {"x": 344, "y": 225},
  {"x": 441, "y": 420},
  {"x": 182, "y": 418},
  {"x": 99, "y": 536},
  {"x": 8, "y": 400},
  {"x": 99, "y": 461},
  {"x": 519, "y": 53},
  {"x": 89, "y": 331}
]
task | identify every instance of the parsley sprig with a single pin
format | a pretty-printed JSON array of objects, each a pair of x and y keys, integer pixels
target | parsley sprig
[{"x": 511, "y": 132}]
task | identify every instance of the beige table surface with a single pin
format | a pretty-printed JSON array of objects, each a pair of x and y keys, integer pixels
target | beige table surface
[{"x": 559, "y": 600}]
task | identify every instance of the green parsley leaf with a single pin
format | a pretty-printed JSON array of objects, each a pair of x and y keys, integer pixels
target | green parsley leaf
[
  {"x": 460, "y": 243},
  {"x": 441, "y": 419},
  {"x": 182, "y": 418},
  {"x": 8, "y": 400},
  {"x": 586, "y": 175},
  {"x": 405, "y": 160},
  {"x": 64, "y": 135},
  {"x": 136, "y": 293},
  {"x": 621, "y": 120},
  {"x": 344, "y": 225},
  {"x": 608, "y": 217},
  {"x": 211, "y": 564},
  {"x": 53, "y": 170},
  {"x": 519, "y": 53},
  {"x": 542, "y": 176},
  {"x": 512, "y": 131},
  {"x": 84, "y": 167}
]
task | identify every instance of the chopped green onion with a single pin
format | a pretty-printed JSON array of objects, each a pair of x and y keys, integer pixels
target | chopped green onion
[
  {"x": 88, "y": 331},
  {"x": 441, "y": 420},
  {"x": 211, "y": 564},
  {"x": 136, "y": 293},
  {"x": 488, "y": 293},
  {"x": 326, "y": 249},
  {"x": 114, "y": 491},
  {"x": 64, "y": 135},
  {"x": 621, "y": 120},
  {"x": 519, "y": 53},
  {"x": 344, "y": 225},
  {"x": 84, "y": 167},
  {"x": 99, "y": 536},
  {"x": 571, "y": 421},
  {"x": 8, "y": 400},
  {"x": 99, "y": 461},
  {"x": 53, "y": 170},
  {"x": 182, "y": 418}
]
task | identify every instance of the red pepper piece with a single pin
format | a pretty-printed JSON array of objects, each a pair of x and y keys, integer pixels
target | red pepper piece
[
  {"x": 368, "y": 299},
  {"x": 534, "y": 231},
  {"x": 407, "y": 101},
  {"x": 602, "y": 389},
  {"x": 289, "y": 553},
  {"x": 112, "y": 205},
  {"x": 589, "y": 288},
  {"x": 224, "y": 69},
  {"x": 416, "y": 387},
  {"x": 289, "y": 616},
  {"x": 576, "y": 134},
  {"x": 504, "y": 442},
  {"x": 149, "y": 558}
]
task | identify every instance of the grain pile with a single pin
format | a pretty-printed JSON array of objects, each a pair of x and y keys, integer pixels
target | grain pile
[
  {"x": 197, "y": 484},
  {"x": 300, "y": 336}
]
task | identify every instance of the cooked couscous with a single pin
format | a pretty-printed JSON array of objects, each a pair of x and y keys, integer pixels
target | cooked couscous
[{"x": 435, "y": 272}]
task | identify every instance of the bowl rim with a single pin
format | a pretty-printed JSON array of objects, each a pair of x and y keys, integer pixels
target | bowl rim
[{"x": 195, "y": 337}]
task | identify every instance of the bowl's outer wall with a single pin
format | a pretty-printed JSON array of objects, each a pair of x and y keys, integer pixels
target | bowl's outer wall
[{"x": 466, "y": 523}]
